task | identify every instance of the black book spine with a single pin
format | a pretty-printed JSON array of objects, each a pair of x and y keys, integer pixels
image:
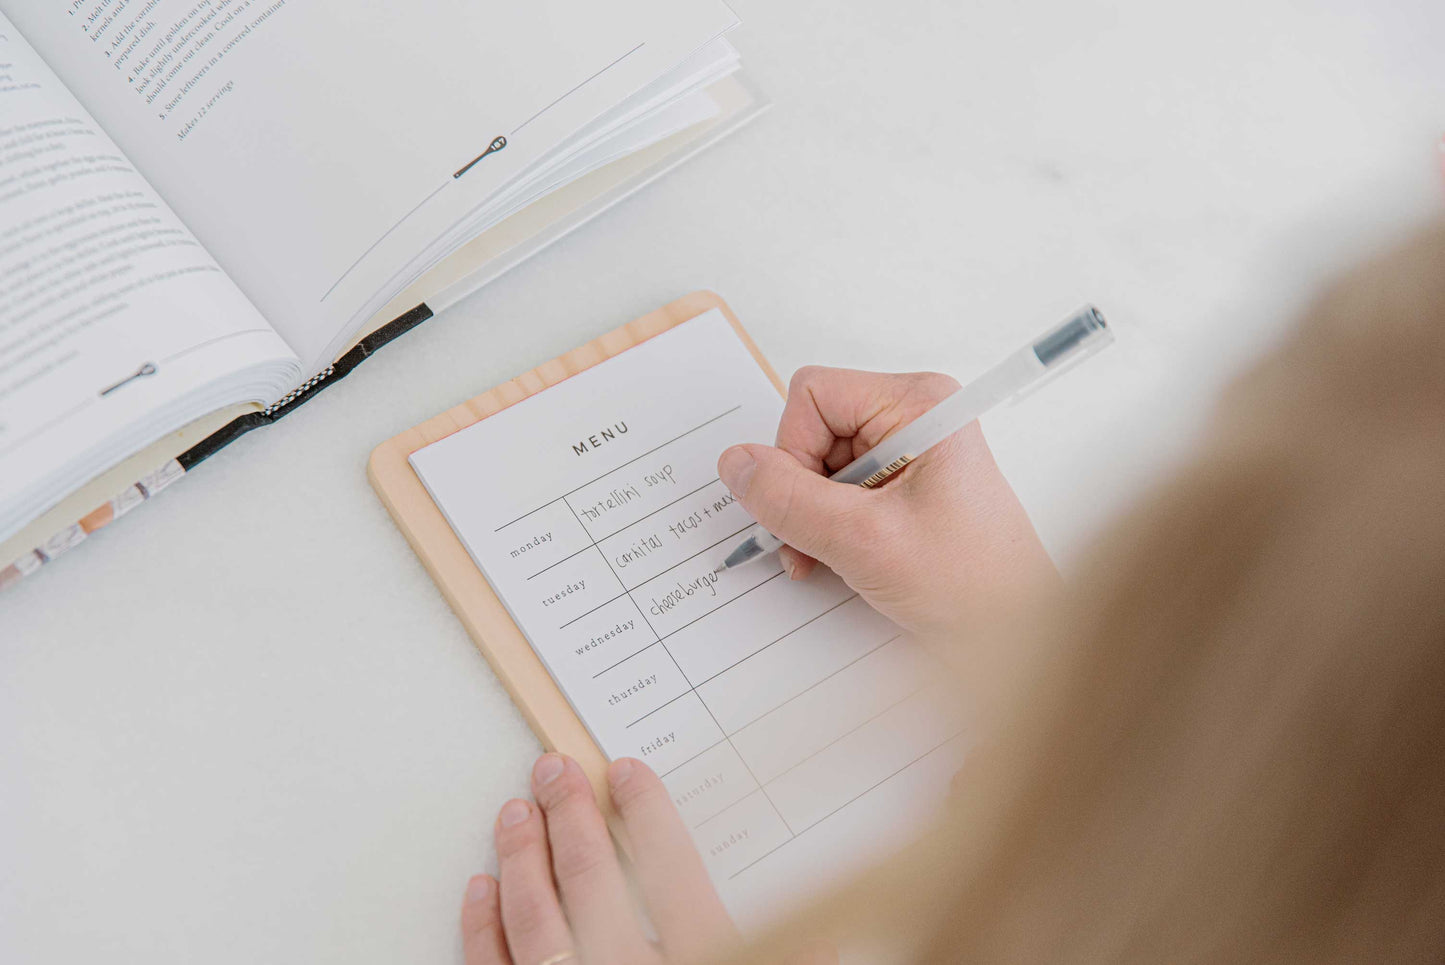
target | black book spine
[{"x": 333, "y": 373}]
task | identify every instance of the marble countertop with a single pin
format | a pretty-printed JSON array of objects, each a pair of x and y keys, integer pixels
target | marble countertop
[{"x": 242, "y": 725}]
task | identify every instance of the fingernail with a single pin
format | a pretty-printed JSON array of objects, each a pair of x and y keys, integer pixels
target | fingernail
[
  {"x": 790, "y": 566},
  {"x": 547, "y": 768},
  {"x": 619, "y": 772},
  {"x": 736, "y": 469},
  {"x": 515, "y": 812},
  {"x": 479, "y": 889}
]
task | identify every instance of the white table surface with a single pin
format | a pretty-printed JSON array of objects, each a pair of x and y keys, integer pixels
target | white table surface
[{"x": 242, "y": 726}]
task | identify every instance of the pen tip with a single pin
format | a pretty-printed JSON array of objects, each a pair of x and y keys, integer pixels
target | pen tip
[{"x": 743, "y": 553}]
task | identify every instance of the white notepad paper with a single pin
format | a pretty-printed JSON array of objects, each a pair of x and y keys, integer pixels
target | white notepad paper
[{"x": 795, "y": 727}]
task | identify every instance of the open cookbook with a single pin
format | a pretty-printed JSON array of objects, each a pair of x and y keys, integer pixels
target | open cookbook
[{"x": 212, "y": 209}]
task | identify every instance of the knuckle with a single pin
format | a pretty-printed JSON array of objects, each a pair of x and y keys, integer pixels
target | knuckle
[
  {"x": 580, "y": 857},
  {"x": 519, "y": 839},
  {"x": 484, "y": 923},
  {"x": 935, "y": 385},
  {"x": 528, "y": 912},
  {"x": 781, "y": 498},
  {"x": 804, "y": 377},
  {"x": 480, "y": 919},
  {"x": 640, "y": 793},
  {"x": 568, "y": 789}
]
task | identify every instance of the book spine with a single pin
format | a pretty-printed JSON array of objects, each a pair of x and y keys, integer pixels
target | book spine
[
  {"x": 143, "y": 489},
  {"x": 307, "y": 390}
]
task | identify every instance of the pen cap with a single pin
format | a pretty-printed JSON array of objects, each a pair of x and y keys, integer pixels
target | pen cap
[
  {"x": 1075, "y": 339},
  {"x": 1081, "y": 335}
]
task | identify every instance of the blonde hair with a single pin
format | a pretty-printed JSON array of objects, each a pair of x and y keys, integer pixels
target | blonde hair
[{"x": 1229, "y": 746}]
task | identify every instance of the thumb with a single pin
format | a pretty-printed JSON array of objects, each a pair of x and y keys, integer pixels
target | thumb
[{"x": 795, "y": 504}]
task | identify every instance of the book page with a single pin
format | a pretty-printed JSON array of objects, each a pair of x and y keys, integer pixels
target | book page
[
  {"x": 116, "y": 326},
  {"x": 319, "y": 147},
  {"x": 795, "y": 727}
]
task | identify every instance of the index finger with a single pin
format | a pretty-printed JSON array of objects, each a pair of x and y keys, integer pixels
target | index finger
[{"x": 833, "y": 416}]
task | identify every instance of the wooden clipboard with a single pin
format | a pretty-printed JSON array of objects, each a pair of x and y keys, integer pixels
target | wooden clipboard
[{"x": 491, "y": 627}]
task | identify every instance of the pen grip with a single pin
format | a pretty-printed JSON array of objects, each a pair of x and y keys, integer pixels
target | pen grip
[{"x": 943, "y": 420}]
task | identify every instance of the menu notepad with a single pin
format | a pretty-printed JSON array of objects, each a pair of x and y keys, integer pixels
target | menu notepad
[{"x": 795, "y": 727}]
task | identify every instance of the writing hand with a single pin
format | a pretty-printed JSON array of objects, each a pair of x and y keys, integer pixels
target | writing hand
[{"x": 940, "y": 544}]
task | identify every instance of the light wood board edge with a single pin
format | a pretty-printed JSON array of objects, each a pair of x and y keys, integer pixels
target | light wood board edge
[{"x": 461, "y": 582}]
